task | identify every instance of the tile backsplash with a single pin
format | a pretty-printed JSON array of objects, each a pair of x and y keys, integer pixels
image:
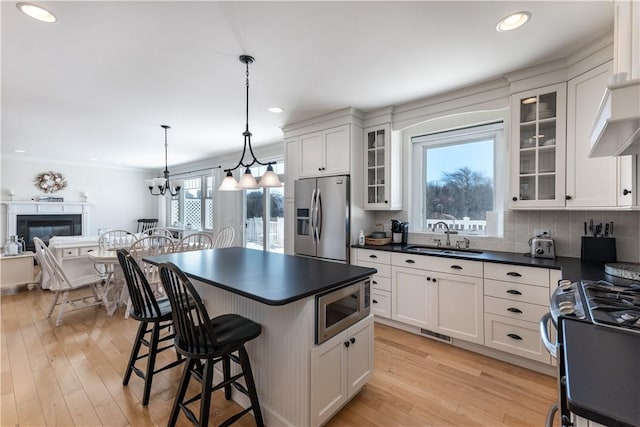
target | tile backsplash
[{"x": 567, "y": 229}]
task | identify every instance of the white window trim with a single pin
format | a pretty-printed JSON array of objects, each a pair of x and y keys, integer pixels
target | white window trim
[{"x": 493, "y": 130}]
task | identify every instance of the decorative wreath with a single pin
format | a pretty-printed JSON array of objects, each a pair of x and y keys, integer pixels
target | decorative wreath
[{"x": 50, "y": 182}]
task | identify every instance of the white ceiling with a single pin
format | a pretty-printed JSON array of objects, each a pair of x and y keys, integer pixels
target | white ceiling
[{"x": 100, "y": 82}]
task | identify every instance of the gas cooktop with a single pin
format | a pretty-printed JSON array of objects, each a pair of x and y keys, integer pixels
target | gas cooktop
[
  {"x": 613, "y": 305},
  {"x": 599, "y": 302}
]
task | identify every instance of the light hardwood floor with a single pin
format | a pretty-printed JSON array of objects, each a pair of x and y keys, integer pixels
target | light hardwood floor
[{"x": 72, "y": 376}]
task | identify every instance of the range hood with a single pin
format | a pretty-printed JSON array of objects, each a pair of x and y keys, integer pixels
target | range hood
[{"x": 616, "y": 129}]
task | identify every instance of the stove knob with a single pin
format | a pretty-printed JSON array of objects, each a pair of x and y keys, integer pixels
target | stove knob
[
  {"x": 564, "y": 284},
  {"x": 567, "y": 310}
]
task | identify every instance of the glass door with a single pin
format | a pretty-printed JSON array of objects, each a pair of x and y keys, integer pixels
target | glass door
[
  {"x": 376, "y": 167},
  {"x": 264, "y": 214},
  {"x": 539, "y": 146}
]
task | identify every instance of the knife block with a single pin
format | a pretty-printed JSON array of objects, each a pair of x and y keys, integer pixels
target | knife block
[{"x": 600, "y": 249}]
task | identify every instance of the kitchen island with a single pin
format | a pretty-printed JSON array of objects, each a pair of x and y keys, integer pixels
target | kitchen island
[{"x": 278, "y": 291}]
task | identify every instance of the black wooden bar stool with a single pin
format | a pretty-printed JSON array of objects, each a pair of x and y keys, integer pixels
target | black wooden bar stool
[
  {"x": 154, "y": 316},
  {"x": 202, "y": 339}
]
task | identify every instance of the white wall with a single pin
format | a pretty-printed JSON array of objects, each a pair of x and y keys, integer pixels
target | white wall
[{"x": 118, "y": 197}]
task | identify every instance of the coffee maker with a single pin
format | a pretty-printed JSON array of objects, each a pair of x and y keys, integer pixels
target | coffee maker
[{"x": 399, "y": 231}]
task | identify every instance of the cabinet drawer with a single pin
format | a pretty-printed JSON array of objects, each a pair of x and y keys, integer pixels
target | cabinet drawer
[
  {"x": 369, "y": 255},
  {"x": 517, "y": 274},
  {"x": 381, "y": 283},
  {"x": 384, "y": 270},
  {"x": 440, "y": 264},
  {"x": 381, "y": 303},
  {"x": 84, "y": 251},
  {"x": 514, "y": 309},
  {"x": 517, "y": 292},
  {"x": 69, "y": 252},
  {"x": 514, "y": 336},
  {"x": 456, "y": 266}
]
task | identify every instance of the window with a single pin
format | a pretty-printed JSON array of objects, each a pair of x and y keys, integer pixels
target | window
[
  {"x": 264, "y": 214},
  {"x": 454, "y": 179},
  {"x": 193, "y": 206}
]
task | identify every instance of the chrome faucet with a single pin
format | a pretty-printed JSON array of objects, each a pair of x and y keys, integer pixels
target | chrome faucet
[{"x": 447, "y": 231}]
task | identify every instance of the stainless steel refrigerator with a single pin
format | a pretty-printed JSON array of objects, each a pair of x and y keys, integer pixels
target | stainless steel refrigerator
[{"x": 322, "y": 217}]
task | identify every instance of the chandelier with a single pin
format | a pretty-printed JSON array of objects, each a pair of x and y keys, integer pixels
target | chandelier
[
  {"x": 269, "y": 179},
  {"x": 162, "y": 184}
]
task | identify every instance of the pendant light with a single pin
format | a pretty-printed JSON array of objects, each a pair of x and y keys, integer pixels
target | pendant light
[
  {"x": 162, "y": 184},
  {"x": 269, "y": 179}
]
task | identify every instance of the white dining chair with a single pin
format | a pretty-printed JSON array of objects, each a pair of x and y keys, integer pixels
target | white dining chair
[
  {"x": 195, "y": 242},
  {"x": 115, "y": 239},
  {"x": 70, "y": 295},
  {"x": 160, "y": 231},
  {"x": 224, "y": 238}
]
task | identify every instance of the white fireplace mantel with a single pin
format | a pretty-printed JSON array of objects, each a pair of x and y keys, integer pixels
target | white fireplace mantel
[{"x": 45, "y": 208}]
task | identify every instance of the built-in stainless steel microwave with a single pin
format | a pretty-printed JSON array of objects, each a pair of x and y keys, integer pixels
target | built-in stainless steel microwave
[{"x": 340, "y": 308}]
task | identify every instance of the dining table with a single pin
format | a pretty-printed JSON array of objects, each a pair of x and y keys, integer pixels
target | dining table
[{"x": 105, "y": 261}]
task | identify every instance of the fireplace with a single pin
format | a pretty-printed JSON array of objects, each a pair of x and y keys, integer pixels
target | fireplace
[
  {"x": 47, "y": 226},
  {"x": 45, "y": 219}
]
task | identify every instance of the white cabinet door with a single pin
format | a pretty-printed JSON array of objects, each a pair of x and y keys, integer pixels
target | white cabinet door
[
  {"x": 598, "y": 181},
  {"x": 337, "y": 153},
  {"x": 328, "y": 378},
  {"x": 359, "y": 355},
  {"x": 339, "y": 369},
  {"x": 311, "y": 154},
  {"x": 538, "y": 147},
  {"x": 459, "y": 308},
  {"x": 327, "y": 152},
  {"x": 413, "y": 297}
]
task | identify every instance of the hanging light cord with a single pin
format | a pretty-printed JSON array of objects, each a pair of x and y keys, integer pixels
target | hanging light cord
[
  {"x": 247, "y": 135},
  {"x": 166, "y": 187}
]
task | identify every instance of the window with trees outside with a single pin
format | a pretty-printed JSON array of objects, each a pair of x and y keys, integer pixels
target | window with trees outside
[
  {"x": 193, "y": 206},
  {"x": 454, "y": 178},
  {"x": 264, "y": 214}
]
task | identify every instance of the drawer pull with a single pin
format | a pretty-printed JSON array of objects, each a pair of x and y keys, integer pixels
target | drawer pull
[
  {"x": 514, "y": 292},
  {"x": 373, "y": 256},
  {"x": 456, "y": 267},
  {"x": 375, "y": 283},
  {"x": 514, "y": 274},
  {"x": 514, "y": 310},
  {"x": 409, "y": 261},
  {"x": 374, "y": 301},
  {"x": 515, "y": 337}
]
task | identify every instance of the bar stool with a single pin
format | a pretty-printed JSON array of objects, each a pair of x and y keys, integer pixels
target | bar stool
[
  {"x": 148, "y": 310},
  {"x": 200, "y": 338}
]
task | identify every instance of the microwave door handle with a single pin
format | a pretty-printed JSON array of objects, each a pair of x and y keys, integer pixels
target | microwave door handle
[
  {"x": 319, "y": 215},
  {"x": 312, "y": 205}
]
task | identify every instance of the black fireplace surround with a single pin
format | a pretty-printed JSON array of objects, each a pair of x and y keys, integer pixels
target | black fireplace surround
[{"x": 47, "y": 226}]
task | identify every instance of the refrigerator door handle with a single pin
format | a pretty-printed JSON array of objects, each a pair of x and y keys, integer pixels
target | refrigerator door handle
[
  {"x": 319, "y": 214},
  {"x": 312, "y": 214}
]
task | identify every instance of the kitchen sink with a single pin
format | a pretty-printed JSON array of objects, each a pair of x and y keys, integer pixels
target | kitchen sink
[{"x": 441, "y": 250}]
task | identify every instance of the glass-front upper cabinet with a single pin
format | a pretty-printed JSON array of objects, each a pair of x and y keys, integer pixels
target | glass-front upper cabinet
[
  {"x": 538, "y": 147},
  {"x": 382, "y": 180}
]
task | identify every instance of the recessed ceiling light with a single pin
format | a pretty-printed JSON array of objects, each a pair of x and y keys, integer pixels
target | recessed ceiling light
[
  {"x": 19, "y": 151},
  {"x": 275, "y": 109},
  {"x": 36, "y": 12},
  {"x": 513, "y": 21},
  {"x": 93, "y": 159}
]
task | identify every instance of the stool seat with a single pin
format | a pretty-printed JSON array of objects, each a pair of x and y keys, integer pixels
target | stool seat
[
  {"x": 205, "y": 341},
  {"x": 231, "y": 330}
]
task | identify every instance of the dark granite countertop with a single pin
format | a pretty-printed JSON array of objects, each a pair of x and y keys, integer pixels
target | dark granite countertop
[
  {"x": 267, "y": 277},
  {"x": 572, "y": 268},
  {"x": 603, "y": 385}
]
